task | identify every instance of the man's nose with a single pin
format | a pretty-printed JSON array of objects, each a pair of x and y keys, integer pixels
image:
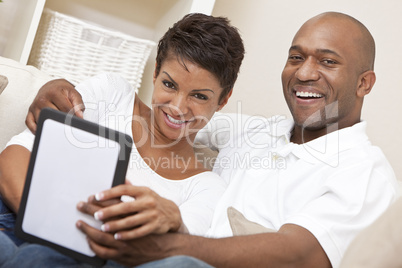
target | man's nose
[{"x": 308, "y": 71}]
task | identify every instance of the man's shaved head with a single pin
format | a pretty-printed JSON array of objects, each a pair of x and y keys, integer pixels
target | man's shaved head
[{"x": 363, "y": 38}]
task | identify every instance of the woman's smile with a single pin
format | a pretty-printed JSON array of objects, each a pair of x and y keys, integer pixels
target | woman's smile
[{"x": 175, "y": 123}]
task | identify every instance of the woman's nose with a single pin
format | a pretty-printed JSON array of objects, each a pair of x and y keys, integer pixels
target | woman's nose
[{"x": 179, "y": 105}]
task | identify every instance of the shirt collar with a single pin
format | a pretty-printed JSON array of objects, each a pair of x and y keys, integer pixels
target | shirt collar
[{"x": 322, "y": 148}]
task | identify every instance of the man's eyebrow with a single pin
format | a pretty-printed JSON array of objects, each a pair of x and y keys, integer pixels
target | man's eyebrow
[
  {"x": 294, "y": 48},
  {"x": 319, "y": 50},
  {"x": 172, "y": 80},
  {"x": 328, "y": 51}
]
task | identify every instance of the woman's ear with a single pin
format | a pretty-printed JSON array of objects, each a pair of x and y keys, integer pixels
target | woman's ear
[
  {"x": 366, "y": 83},
  {"x": 225, "y": 100},
  {"x": 154, "y": 78}
]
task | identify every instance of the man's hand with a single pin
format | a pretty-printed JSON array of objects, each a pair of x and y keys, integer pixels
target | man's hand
[
  {"x": 149, "y": 213},
  {"x": 126, "y": 252},
  {"x": 58, "y": 94}
]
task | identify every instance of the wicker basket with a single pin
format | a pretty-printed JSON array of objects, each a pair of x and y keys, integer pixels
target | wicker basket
[{"x": 73, "y": 49}]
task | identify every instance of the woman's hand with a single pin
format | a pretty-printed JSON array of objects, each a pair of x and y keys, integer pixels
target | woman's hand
[{"x": 148, "y": 213}]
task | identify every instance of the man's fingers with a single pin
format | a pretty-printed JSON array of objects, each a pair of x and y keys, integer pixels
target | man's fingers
[
  {"x": 32, "y": 117},
  {"x": 78, "y": 105},
  {"x": 62, "y": 103},
  {"x": 30, "y": 122},
  {"x": 57, "y": 94},
  {"x": 87, "y": 208},
  {"x": 103, "y": 244},
  {"x": 103, "y": 252}
]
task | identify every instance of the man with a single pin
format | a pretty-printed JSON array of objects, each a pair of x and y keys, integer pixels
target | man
[{"x": 325, "y": 182}]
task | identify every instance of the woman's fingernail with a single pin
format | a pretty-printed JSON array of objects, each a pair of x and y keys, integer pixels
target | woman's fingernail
[
  {"x": 80, "y": 204},
  {"x": 105, "y": 227},
  {"x": 91, "y": 199},
  {"x": 99, "y": 196},
  {"x": 117, "y": 236},
  {"x": 98, "y": 215}
]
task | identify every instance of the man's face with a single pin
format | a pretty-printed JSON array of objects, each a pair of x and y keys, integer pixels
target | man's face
[{"x": 321, "y": 75}]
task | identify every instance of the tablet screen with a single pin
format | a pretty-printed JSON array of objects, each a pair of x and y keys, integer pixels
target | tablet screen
[{"x": 69, "y": 162}]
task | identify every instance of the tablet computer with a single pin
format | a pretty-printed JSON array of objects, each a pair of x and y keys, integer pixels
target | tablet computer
[{"x": 71, "y": 159}]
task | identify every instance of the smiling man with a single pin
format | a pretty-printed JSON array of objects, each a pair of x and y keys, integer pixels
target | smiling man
[
  {"x": 328, "y": 72},
  {"x": 304, "y": 213}
]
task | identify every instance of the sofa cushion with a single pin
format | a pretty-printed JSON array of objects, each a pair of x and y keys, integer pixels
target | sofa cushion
[
  {"x": 3, "y": 82},
  {"x": 242, "y": 226},
  {"x": 23, "y": 83}
]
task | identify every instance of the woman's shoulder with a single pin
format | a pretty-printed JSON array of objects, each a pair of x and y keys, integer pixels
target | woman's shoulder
[{"x": 105, "y": 87}]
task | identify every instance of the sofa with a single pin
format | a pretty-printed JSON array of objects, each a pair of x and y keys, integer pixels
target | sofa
[{"x": 19, "y": 84}]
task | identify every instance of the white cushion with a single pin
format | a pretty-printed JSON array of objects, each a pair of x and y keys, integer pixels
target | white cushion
[
  {"x": 23, "y": 84},
  {"x": 3, "y": 83}
]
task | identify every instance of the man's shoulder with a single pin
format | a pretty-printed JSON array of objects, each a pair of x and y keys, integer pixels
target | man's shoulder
[
  {"x": 240, "y": 123},
  {"x": 226, "y": 129}
]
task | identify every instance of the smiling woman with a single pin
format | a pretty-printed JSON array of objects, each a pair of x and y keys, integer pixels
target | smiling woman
[
  {"x": 185, "y": 99},
  {"x": 198, "y": 60}
]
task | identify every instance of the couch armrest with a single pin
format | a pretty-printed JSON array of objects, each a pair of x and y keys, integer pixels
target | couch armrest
[{"x": 23, "y": 83}]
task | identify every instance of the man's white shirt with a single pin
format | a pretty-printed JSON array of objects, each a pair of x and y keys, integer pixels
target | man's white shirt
[{"x": 333, "y": 186}]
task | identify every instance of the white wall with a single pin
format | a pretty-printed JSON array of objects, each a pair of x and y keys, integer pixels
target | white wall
[{"x": 268, "y": 26}]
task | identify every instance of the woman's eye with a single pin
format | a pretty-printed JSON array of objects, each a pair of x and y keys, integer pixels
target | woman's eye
[
  {"x": 201, "y": 96},
  {"x": 168, "y": 84}
]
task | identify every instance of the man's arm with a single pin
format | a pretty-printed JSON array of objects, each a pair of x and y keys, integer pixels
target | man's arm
[
  {"x": 291, "y": 246},
  {"x": 14, "y": 162},
  {"x": 58, "y": 94}
]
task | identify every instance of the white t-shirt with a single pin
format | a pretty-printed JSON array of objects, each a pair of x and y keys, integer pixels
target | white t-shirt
[
  {"x": 333, "y": 186},
  {"x": 109, "y": 101}
]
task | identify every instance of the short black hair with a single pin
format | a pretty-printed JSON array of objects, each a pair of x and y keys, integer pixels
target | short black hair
[{"x": 207, "y": 41}]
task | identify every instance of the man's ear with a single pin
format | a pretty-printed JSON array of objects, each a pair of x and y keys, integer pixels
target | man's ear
[
  {"x": 366, "y": 83},
  {"x": 225, "y": 100}
]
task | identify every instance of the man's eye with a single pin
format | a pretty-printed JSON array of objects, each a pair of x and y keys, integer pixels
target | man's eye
[
  {"x": 329, "y": 61},
  {"x": 201, "y": 96},
  {"x": 295, "y": 57},
  {"x": 168, "y": 84}
]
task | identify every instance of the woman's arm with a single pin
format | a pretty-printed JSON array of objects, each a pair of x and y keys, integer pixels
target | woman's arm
[{"x": 14, "y": 162}]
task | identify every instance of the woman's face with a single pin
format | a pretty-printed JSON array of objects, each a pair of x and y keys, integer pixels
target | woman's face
[{"x": 183, "y": 100}]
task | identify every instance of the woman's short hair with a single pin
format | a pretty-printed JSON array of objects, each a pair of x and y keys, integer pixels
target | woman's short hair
[{"x": 207, "y": 41}]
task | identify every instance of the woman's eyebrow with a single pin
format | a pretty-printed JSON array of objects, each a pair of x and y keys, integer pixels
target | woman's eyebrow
[
  {"x": 172, "y": 80},
  {"x": 205, "y": 89},
  {"x": 177, "y": 85}
]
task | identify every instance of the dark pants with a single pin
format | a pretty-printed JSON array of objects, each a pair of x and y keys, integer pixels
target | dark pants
[{"x": 7, "y": 223}]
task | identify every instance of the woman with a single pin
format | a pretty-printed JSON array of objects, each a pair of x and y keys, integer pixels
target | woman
[{"x": 197, "y": 63}]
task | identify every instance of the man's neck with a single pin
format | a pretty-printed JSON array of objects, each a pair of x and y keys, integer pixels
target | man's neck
[{"x": 302, "y": 135}]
